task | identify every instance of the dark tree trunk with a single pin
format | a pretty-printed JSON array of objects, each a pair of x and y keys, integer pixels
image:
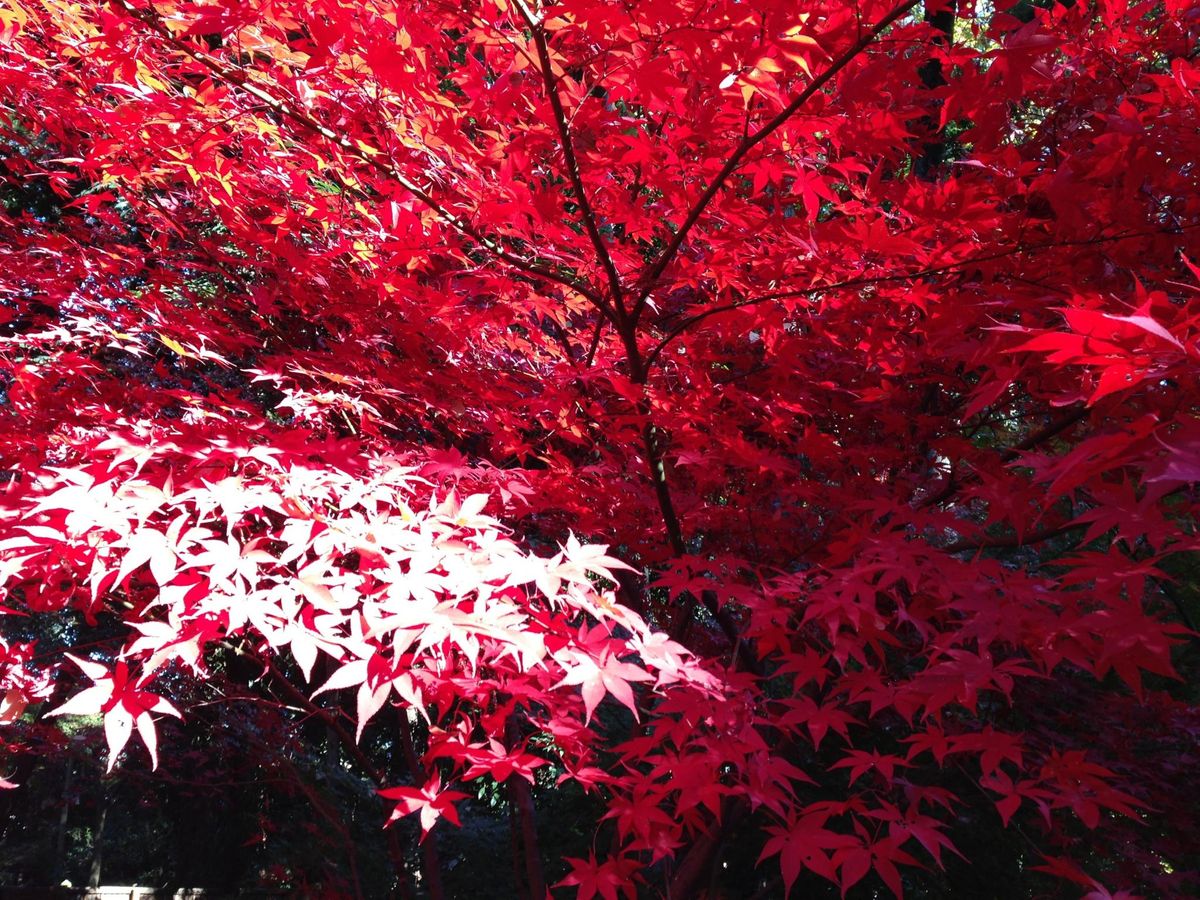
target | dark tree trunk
[
  {"x": 940, "y": 14},
  {"x": 98, "y": 841}
]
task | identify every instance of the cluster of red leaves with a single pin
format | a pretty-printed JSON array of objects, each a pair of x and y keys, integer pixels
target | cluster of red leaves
[{"x": 873, "y": 347}]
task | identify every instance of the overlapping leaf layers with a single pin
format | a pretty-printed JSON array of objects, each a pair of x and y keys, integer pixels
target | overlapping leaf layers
[{"x": 866, "y": 334}]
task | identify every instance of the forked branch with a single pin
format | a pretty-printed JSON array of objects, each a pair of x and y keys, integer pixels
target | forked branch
[{"x": 649, "y": 279}]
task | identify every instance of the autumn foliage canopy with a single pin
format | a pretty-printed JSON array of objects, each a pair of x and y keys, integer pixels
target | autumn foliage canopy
[{"x": 767, "y": 431}]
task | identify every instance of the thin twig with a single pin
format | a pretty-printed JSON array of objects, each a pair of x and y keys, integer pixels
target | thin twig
[
  {"x": 649, "y": 279},
  {"x": 587, "y": 214},
  {"x": 366, "y": 155},
  {"x": 865, "y": 281}
]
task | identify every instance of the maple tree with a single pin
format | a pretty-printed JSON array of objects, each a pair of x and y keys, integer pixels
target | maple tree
[{"x": 776, "y": 423}]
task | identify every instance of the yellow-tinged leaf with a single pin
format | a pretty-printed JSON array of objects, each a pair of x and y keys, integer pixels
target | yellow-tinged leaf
[
  {"x": 174, "y": 346},
  {"x": 800, "y": 61},
  {"x": 146, "y": 77},
  {"x": 12, "y": 19}
]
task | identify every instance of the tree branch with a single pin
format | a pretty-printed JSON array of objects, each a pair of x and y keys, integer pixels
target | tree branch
[
  {"x": 521, "y": 797},
  {"x": 364, "y": 155},
  {"x": 1009, "y": 543},
  {"x": 587, "y": 214},
  {"x": 1072, "y": 417},
  {"x": 865, "y": 281},
  {"x": 648, "y": 281},
  {"x": 431, "y": 860},
  {"x": 595, "y": 343},
  {"x": 349, "y": 745}
]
